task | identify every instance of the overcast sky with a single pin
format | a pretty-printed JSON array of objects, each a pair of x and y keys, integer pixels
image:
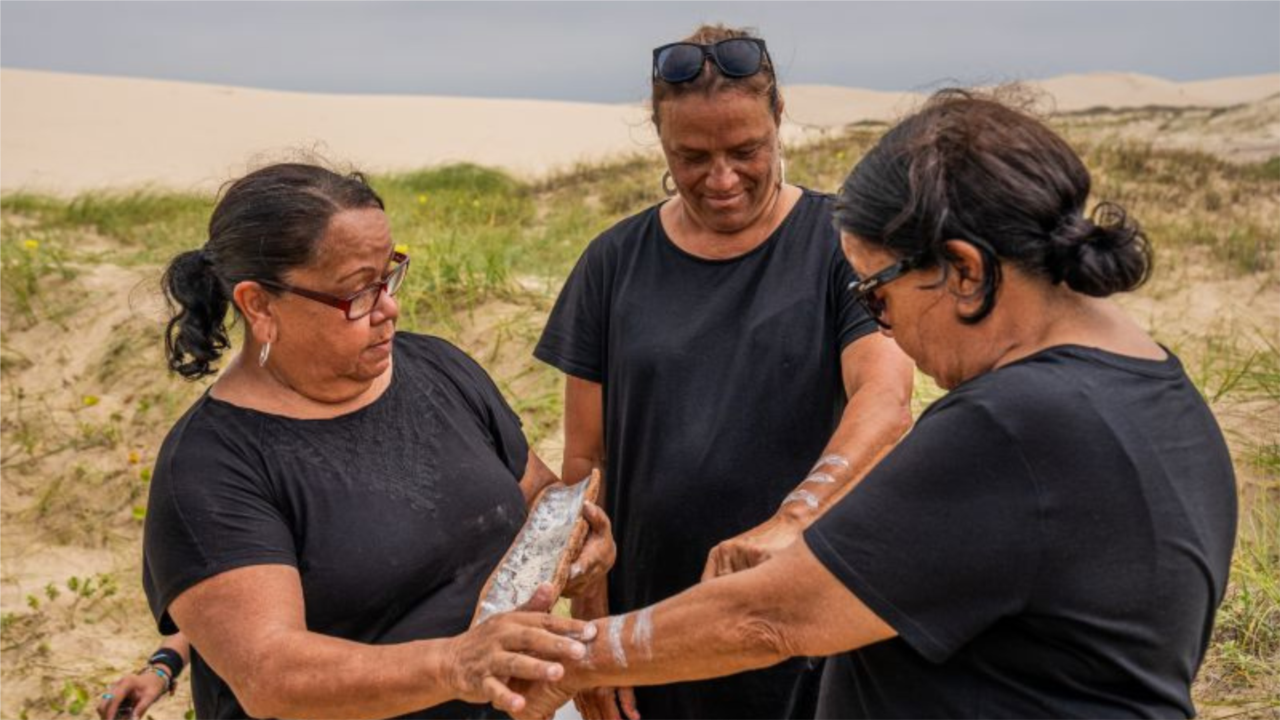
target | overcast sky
[{"x": 601, "y": 51}]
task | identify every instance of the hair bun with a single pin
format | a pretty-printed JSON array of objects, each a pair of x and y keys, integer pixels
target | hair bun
[{"x": 1101, "y": 255}]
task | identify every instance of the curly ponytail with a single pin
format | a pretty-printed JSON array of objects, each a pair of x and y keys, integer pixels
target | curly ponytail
[{"x": 196, "y": 334}]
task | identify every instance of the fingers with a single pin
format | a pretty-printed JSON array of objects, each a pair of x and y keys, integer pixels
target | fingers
[
  {"x": 502, "y": 697},
  {"x": 627, "y": 699},
  {"x": 598, "y": 553},
  {"x": 545, "y": 644},
  {"x": 542, "y": 699},
  {"x": 595, "y": 704},
  {"x": 140, "y": 710},
  {"x": 609, "y": 705},
  {"x": 748, "y": 556},
  {"x": 712, "y": 568},
  {"x": 597, "y": 518},
  {"x": 515, "y": 665},
  {"x": 724, "y": 559},
  {"x": 140, "y": 691},
  {"x": 583, "y": 630},
  {"x": 108, "y": 703}
]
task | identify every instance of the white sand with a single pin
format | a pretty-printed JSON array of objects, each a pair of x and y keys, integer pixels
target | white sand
[{"x": 65, "y": 133}]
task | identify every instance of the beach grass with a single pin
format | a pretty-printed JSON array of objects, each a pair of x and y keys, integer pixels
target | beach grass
[{"x": 481, "y": 239}]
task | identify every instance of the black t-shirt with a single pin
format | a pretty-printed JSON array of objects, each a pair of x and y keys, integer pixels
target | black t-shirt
[
  {"x": 1052, "y": 539},
  {"x": 394, "y": 514},
  {"x": 722, "y": 384}
]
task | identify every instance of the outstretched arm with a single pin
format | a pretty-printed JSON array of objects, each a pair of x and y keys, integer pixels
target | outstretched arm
[
  {"x": 878, "y": 380},
  {"x": 788, "y": 606}
]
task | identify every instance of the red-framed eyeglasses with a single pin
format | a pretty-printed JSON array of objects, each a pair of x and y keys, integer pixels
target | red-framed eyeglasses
[{"x": 362, "y": 302}]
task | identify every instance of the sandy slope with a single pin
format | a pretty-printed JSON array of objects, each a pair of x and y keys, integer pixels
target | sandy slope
[{"x": 64, "y": 133}]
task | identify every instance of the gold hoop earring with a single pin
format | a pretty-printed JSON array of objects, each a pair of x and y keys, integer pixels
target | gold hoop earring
[
  {"x": 666, "y": 177},
  {"x": 262, "y": 356}
]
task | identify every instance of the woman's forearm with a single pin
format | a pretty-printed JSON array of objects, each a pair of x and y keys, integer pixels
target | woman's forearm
[
  {"x": 317, "y": 676},
  {"x": 876, "y": 417},
  {"x": 715, "y": 628},
  {"x": 788, "y": 606}
]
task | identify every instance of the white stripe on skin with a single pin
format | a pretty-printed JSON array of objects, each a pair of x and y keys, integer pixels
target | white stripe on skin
[
  {"x": 615, "y": 640},
  {"x": 803, "y": 496},
  {"x": 837, "y": 460},
  {"x": 642, "y": 633},
  {"x": 820, "y": 479}
]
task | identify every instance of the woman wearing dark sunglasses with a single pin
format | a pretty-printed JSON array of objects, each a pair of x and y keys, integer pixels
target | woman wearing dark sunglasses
[
  {"x": 1054, "y": 536},
  {"x": 321, "y": 521},
  {"x": 718, "y": 369}
]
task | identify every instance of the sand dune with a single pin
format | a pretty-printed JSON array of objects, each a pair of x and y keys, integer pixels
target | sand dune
[{"x": 65, "y": 133}]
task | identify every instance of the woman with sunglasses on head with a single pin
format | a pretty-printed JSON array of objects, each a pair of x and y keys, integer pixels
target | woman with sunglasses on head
[
  {"x": 717, "y": 368},
  {"x": 322, "y": 520},
  {"x": 1054, "y": 536}
]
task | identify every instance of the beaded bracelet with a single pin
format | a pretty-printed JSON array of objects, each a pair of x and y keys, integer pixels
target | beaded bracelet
[{"x": 159, "y": 670}]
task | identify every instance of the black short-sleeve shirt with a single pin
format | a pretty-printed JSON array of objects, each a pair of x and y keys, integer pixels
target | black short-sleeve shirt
[
  {"x": 1051, "y": 540},
  {"x": 394, "y": 514},
  {"x": 722, "y": 384}
]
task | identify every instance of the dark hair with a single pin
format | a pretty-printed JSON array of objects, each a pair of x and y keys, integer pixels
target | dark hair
[
  {"x": 267, "y": 223},
  {"x": 971, "y": 167},
  {"x": 710, "y": 81}
]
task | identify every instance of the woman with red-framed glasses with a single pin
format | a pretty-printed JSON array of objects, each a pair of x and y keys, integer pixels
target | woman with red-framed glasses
[{"x": 322, "y": 520}]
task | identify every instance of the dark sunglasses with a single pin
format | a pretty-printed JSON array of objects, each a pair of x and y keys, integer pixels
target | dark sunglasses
[
  {"x": 683, "y": 61},
  {"x": 360, "y": 303},
  {"x": 864, "y": 291}
]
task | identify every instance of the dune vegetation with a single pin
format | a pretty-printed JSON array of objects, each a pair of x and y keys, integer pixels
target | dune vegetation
[{"x": 86, "y": 399}]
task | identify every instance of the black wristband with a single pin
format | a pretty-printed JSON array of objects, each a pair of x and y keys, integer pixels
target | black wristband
[{"x": 170, "y": 658}]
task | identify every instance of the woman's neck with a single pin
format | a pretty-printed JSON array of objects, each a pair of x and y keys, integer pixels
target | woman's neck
[
  {"x": 246, "y": 384},
  {"x": 1053, "y": 315},
  {"x": 692, "y": 236}
]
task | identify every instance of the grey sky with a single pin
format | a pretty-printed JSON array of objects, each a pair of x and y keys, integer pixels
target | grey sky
[{"x": 600, "y": 51}]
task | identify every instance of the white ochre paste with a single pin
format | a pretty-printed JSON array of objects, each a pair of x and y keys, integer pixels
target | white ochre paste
[
  {"x": 820, "y": 479},
  {"x": 642, "y": 633},
  {"x": 803, "y": 496},
  {"x": 833, "y": 460},
  {"x": 615, "y": 640}
]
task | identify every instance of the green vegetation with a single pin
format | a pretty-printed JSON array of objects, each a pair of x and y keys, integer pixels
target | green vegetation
[
  {"x": 27, "y": 268},
  {"x": 489, "y": 253}
]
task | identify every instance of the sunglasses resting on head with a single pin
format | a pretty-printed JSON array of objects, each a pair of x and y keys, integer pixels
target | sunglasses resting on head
[{"x": 681, "y": 62}]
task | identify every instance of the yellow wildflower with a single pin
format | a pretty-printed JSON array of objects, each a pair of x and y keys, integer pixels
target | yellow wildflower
[
  {"x": 90, "y": 400},
  {"x": 422, "y": 199},
  {"x": 402, "y": 248},
  {"x": 134, "y": 457},
  {"x": 31, "y": 245}
]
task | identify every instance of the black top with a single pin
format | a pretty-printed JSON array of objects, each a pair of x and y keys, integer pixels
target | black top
[
  {"x": 394, "y": 514},
  {"x": 722, "y": 384},
  {"x": 1051, "y": 540}
]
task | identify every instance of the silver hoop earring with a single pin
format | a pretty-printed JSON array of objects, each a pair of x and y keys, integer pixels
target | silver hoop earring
[
  {"x": 262, "y": 356},
  {"x": 666, "y": 177}
]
